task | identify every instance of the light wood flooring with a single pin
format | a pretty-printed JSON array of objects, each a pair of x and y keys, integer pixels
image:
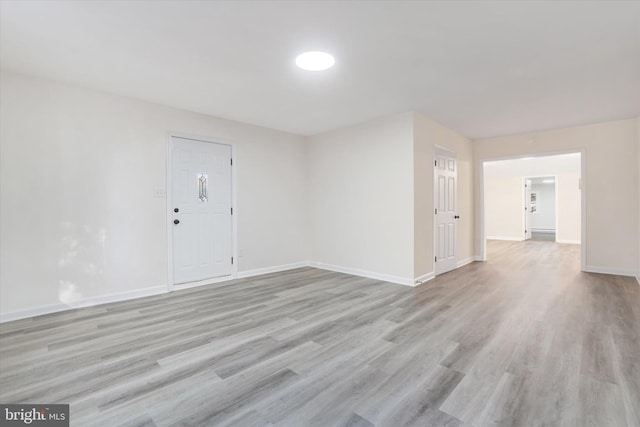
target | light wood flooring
[{"x": 524, "y": 339}]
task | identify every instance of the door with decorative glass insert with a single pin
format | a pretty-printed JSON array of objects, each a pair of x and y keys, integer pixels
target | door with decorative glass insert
[
  {"x": 445, "y": 201},
  {"x": 201, "y": 210}
]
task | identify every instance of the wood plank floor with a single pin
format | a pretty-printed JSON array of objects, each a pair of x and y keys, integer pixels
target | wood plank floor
[{"x": 524, "y": 339}]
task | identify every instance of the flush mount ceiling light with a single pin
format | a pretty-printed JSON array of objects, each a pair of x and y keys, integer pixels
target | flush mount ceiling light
[{"x": 315, "y": 61}]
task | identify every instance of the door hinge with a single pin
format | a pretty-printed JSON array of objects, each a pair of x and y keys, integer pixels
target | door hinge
[
  {"x": 435, "y": 163},
  {"x": 436, "y": 211},
  {"x": 231, "y": 260},
  {"x": 231, "y": 211},
  {"x": 435, "y": 259},
  {"x": 231, "y": 162}
]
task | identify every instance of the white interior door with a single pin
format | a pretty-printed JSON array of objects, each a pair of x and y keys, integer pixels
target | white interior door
[
  {"x": 201, "y": 211},
  {"x": 445, "y": 210},
  {"x": 527, "y": 209}
]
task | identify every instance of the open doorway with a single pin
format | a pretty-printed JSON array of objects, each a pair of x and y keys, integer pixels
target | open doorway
[
  {"x": 541, "y": 215},
  {"x": 533, "y": 199}
]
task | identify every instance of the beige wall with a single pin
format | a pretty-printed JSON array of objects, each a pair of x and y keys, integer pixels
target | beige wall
[
  {"x": 82, "y": 216},
  {"x": 611, "y": 184},
  {"x": 361, "y": 198},
  {"x": 380, "y": 175},
  {"x": 503, "y": 201},
  {"x": 638, "y": 204},
  {"x": 569, "y": 209},
  {"x": 79, "y": 215},
  {"x": 504, "y": 218},
  {"x": 427, "y": 134}
]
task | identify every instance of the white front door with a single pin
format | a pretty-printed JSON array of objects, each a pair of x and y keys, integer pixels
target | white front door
[
  {"x": 445, "y": 210},
  {"x": 201, "y": 212},
  {"x": 527, "y": 209}
]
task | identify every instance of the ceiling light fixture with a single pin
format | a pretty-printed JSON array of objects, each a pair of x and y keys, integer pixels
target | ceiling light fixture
[{"x": 315, "y": 61}]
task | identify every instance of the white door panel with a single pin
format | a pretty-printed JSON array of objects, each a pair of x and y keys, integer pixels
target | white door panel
[
  {"x": 445, "y": 211},
  {"x": 201, "y": 193}
]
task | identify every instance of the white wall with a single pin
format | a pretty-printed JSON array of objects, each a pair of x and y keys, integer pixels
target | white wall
[
  {"x": 79, "y": 170},
  {"x": 504, "y": 201},
  {"x": 610, "y": 182},
  {"x": 569, "y": 208},
  {"x": 361, "y": 198},
  {"x": 427, "y": 134},
  {"x": 544, "y": 218},
  {"x": 371, "y": 192}
]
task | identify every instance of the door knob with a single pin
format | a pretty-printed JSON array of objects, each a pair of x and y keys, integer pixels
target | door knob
[
  {"x": 457, "y": 217},
  {"x": 176, "y": 210},
  {"x": 176, "y": 221}
]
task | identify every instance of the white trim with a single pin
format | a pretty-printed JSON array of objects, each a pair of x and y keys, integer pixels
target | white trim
[
  {"x": 234, "y": 217},
  {"x": 211, "y": 281},
  {"x": 555, "y": 195},
  {"x": 478, "y": 258},
  {"x": 424, "y": 278},
  {"x": 85, "y": 302},
  {"x": 569, "y": 241},
  {"x": 168, "y": 215},
  {"x": 157, "y": 290},
  {"x": 464, "y": 262},
  {"x": 169, "y": 208},
  {"x": 543, "y": 230},
  {"x": 510, "y": 238},
  {"x": 607, "y": 270},
  {"x": 274, "y": 269},
  {"x": 363, "y": 273}
]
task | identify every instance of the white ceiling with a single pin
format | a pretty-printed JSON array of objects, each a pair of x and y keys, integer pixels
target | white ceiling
[{"x": 481, "y": 68}]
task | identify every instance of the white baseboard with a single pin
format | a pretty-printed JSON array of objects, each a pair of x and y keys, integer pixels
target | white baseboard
[
  {"x": 464, "y": 262},
  {"x": 510, "y": 238},
  {"x": 274, "y": 269},
  {"x": 543, "y": 230},
  {"x": 568, "y": 241},
  {"x": 363, "y": 273},
  {"x": 424, "y": 278},
  {"x": 242, "y": 275},
  {"x": 478, "y": 258},
  {"x": 607, "y": 270},
  {"x": 85, "y": 302},
  {"x": 190, "y": 285}
]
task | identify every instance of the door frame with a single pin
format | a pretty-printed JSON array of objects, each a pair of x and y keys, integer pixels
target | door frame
[
  {"x": 169, "y": 207},
  {"x": 437, "y": 147},
  {"x": 482, "y": 256},
  {"x": 555, "y": 195},
  {"x": 527, "y": 213}
]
